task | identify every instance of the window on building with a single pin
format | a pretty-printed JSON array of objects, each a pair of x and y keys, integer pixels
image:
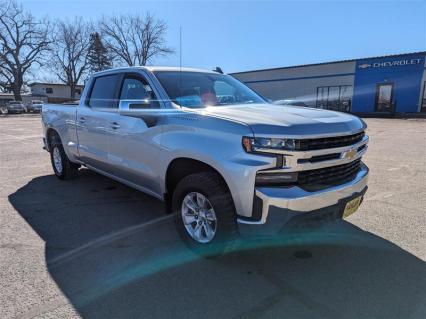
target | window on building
[
  {"x": 423, "y": 102},
  {"x": 77, "y": 91},
  {"x": 49, "y": 90},
  {"x": 336, "y": 98}
]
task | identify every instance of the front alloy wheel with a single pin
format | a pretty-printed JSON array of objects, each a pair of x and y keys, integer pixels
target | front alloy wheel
[
  {"x": 205, "y": 214},
  {"x": 199, "y": 217}
]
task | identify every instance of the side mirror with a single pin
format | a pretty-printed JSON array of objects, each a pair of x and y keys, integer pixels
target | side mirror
[{"x": 128, "y": 105}]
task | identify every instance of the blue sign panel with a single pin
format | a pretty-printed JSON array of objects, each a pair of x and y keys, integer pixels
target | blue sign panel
[{"x": 404, "y": 73}]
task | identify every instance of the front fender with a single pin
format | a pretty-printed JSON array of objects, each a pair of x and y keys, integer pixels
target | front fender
[{"x": 222, "y": 150}]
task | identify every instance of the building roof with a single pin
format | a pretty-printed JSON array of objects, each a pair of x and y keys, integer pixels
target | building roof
[
  {"x": 332, "y": 62},
  {"x": 52, "y": 84}
]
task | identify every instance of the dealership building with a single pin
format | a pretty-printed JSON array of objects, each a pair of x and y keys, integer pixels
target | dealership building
[{"x": 382, "y": 85}]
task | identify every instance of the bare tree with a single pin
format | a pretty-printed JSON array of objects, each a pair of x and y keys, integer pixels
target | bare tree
[
  {"x": 69, "y": 54},
  {"x": 23, "y": 42},
  {"x": 6, "y": 79},
  {"x": 134, "y": 39}
]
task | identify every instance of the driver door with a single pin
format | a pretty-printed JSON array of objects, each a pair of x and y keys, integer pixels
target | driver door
[{"x": 134, "y": 147}]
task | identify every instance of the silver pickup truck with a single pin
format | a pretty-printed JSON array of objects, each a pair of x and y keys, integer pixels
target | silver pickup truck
[{"x": 215, "y": 151}]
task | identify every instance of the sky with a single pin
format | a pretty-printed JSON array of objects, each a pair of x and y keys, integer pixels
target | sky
[{"x": 248, "y": 35}]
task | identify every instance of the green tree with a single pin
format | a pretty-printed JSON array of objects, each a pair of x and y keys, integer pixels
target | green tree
[{"x": 97, "y": 56}]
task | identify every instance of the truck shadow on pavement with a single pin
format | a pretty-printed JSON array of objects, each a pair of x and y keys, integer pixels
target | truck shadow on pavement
[{"x": 114, "y": 253}]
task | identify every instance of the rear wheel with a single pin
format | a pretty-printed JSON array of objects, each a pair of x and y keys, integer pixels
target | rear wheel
[
  {"x": 62, "y": 166},
  {"x": 204, "y": 214}
]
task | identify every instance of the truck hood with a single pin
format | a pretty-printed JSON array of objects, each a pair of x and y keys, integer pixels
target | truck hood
[{"x": 289, "y": 121}]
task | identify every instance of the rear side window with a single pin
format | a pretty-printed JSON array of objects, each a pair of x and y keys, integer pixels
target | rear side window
[{"x": 104, "y": 92}]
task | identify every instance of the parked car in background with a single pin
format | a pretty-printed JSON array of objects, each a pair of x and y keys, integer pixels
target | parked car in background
[
  {"x": 3, "y": 109},
  {"x": 290, "y": 102},
  {"x": 34, "y": 106},
  {"x": 16, "y": 107}
]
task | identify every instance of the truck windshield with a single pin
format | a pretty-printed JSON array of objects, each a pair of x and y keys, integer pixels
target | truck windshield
[{"x": 198, "y": 89}]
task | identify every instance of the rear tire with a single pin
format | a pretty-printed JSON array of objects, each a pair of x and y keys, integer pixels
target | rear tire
[
  {"x": 217, "y": 201},
  {"x": 62, "y": 166}
]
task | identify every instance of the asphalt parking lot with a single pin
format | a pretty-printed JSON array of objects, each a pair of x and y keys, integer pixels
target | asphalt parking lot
[{"x": 93, "y": 248}]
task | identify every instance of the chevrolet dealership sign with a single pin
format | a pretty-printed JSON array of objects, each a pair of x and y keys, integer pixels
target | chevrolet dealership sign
[{"x": 389, "y": 63}]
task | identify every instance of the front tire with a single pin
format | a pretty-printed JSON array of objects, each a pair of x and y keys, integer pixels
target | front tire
[
  {"x": 205, "y": 214},
  {"x": 62, "y": 166}
]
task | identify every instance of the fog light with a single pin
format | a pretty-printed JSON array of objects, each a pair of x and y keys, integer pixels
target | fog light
[{"x": 275, "y": 179}]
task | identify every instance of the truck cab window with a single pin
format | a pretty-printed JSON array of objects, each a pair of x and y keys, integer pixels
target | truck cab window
[
  {"x": 135, "y": 88},
  {"x": 103, "y": 93},
  {"x": 225, "y": 93},
  {"x": 201, "y": 89}
]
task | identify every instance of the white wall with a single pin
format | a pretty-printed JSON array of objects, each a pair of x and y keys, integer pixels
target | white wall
[{"x": 59, "y": 91}]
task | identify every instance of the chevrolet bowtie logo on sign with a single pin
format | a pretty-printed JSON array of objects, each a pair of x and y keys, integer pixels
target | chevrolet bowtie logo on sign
[
  {"x": 364, "y": 66},
  {"x": 387, "y": 64},
  {"x": 348, "y": 155}
]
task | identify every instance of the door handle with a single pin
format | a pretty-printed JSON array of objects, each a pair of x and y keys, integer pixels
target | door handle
[
  {"x": 115, "y": 125},
  {"x": 82, "y": 119}
]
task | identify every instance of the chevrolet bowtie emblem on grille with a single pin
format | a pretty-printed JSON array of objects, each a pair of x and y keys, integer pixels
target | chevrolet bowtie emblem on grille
[{"x": 349, "y": 154}]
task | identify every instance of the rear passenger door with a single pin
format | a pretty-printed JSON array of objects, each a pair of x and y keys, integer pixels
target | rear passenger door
[{"x": 95, "y": 117}]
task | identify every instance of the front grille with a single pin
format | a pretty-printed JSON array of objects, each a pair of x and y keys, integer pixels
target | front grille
[
  {"x": 334, "y": 175},
  {"x": 328, "y": 142},
  {"x": 313, "y": 179}
]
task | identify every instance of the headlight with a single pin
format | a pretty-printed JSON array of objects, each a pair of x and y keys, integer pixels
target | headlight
[{"x": 267, "y": 145}]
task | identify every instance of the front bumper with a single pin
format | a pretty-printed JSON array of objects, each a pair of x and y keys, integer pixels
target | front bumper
[{"x": 295, "y": 200}]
